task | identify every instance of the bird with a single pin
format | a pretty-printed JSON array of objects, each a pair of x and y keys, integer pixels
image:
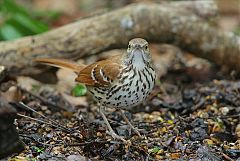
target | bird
[{"x": 121, "y": 82}]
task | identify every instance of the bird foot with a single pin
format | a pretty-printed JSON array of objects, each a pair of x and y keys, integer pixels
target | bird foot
[
  {"x": 116, "y": 136},
  {"x": 135, "y": 130}
]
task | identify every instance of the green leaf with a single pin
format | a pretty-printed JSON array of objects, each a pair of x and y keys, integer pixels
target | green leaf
[
  {"x": 48, "y": 16},
  {"x": 17, "y": 22},
  {"x": 79, "y": 90},
  {"x": 10, "y": 6},
  {"x": 237, "y": 31},
  {"x": 35, "y": 88},
  {"x": 38, "y": 150},
  {"x": 33, "y": 25},
  {"x": 9, "y": 32},
  {"x": 22, "y": 29},
  {"x": 154, "y": 150}
]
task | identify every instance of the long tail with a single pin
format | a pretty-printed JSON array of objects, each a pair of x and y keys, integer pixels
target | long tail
[{"x": 61, "y": 63}]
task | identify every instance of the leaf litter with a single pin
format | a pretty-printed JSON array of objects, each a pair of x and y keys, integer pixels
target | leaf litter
[{"x": 183, "y": 119}]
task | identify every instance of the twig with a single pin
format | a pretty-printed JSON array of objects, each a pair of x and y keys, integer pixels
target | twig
[
  {"x": 224, "y": 117},
  {"x": 42, "y": 99},
  {"x": 45, "y": 144},
  {"x": 227, "y": 157},
  {"x": 26, "y": 106},
  {"x": 230, "y": 116},
  {"x": 87, "y": 143},
  {"x": 31, "y": 118}
]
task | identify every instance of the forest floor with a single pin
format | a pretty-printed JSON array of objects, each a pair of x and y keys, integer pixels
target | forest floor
[
  {"x": 182, "y": 119},
  {"x": 193, "y": 112}
]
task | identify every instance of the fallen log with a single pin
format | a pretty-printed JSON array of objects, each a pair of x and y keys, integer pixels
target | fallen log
[{"x": 157, "y": 23}]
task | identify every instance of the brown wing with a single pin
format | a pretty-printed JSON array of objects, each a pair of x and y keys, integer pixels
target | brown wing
[{"x": 101, "y": 73}]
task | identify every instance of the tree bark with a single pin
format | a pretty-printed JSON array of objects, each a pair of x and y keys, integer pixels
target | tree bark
[{"x": 159, "y": 23}]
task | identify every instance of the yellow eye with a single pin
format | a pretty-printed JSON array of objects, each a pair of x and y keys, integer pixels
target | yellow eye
[{"x": 146, "y": 47}]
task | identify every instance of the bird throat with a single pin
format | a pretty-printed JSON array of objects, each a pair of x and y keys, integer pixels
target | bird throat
[{"x": 138, "y": 61}]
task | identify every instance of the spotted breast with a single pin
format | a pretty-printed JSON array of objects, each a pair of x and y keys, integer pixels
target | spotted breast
[{"x": 133, "y": 82}]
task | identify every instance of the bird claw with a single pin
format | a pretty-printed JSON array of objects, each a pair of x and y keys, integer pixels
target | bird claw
[
  {"x": 117, "y": 137},
  {"x": 135, "y": 130}
]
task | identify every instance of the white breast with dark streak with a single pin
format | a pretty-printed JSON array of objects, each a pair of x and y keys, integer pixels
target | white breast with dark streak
[{"x": 133, "y": 87}]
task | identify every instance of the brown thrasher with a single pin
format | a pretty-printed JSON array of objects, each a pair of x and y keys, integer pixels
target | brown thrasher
[{"x": 121, "y": 82}]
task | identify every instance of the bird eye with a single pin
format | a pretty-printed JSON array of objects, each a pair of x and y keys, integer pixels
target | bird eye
[
  {"x": 129, "y": 46},
  {"x": 146, "y": 47}
]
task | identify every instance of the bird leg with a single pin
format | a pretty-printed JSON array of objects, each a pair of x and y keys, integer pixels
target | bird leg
[
  {"x": 129, "y": 123},
  {"x": 110, "y": 130}
]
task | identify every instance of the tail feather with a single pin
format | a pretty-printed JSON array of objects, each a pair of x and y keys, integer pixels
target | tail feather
[{"x": 61, "y": 63}]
